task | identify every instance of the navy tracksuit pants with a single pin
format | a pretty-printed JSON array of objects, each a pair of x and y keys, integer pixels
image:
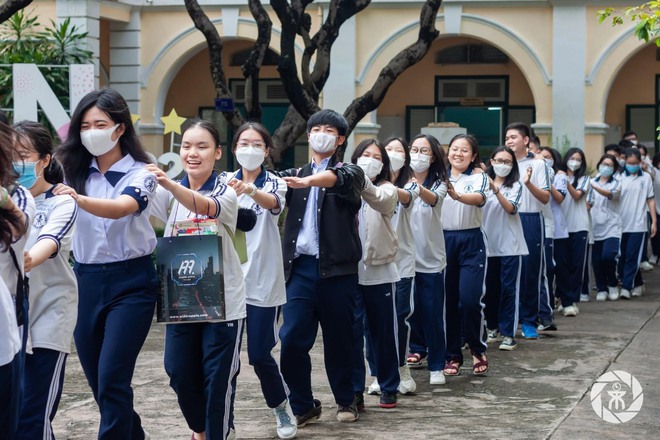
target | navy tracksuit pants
[
  {"x": 10, "y": 388},
  {"x": 571, "y": 257},
  {"x": 532, "y": 267},
  {"x": 465, "y": 289},
  {"x": 427, "y": 323},
  {"x": 203, "y": 361},
  {"x": 503, "y": 294},
  {"x": 547, "y": 298},
  {"x": 604, "y": 256},
  {"x": 375, "y": 311},
  {"x": 311, "y": 301},
  {"x": 632, "y": 244},
  {"x": 116, "y": 304}
]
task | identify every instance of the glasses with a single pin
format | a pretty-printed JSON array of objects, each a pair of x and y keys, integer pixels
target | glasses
[
  {"x": 502, "y": 162},
  {"x": 423, "y": 150},
  {"x": 256, "y": 144}
]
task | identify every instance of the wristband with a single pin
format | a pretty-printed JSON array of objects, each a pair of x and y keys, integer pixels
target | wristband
[
  {"x": 253, "y": 192},
  {"x": 496, "y": 192}
]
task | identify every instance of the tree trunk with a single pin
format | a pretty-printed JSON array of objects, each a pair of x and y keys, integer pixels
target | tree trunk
[
  {"x": 292, "y": 127},
  {"x": 10, "y": 7},
  {"x": 252, "y": 65}
]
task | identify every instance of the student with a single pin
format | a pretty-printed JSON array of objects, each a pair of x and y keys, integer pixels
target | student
[
  {"x": 536, "y": 193},
  {"x": 203, "y": 359},
  {"x": 636, "y": 195},
  {"x": 546, "y": 322},
  {"x": 571, "y": 252},
  {"x": 376, "y": 291},
  {"x": 506, "y": 246},
  {"x": 615, "y": 151},
  {"x": 53, "y": 287},
  {"x": 104, "y": 167},
  {"x": 647, "y": 166},
  {"x": 655, "y": 241},
  {"x": 467, "y": 255},
  {"x": 605, "y": 193},
  {"x": 321, "y": 250},
  {"x": 427, "y": 337},
  {"x": 262, "y": 192}
]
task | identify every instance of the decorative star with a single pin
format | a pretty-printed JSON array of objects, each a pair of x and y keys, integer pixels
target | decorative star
[
  {"x": 135, "y": 118},
  {"x": 173, "y": 122}
]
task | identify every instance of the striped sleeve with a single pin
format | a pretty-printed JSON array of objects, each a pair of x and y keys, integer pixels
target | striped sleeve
[
  {"x": 439, "y": 188},
  {"x": 61, "y": 222},
  {"x": 277, "y": 187},
  {"x": 482, "y": 187},
  {"x": 514, "y": 196},
  {"x": 226, "y": 203}
]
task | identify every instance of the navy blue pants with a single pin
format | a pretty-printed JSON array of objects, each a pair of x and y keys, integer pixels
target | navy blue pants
[
  {"x": 115, "y": 308},
  {"x": 465, "y": 287},
  {"x": 203, "y": 361},
  {"x": 311, "y": 301},
  {"x": 586, "y": 288},
  {"x": 631, "y": 256},
  {"x": 547, "y": 298},
  {"x": 532, "y": 267},
  {"x": 10, "y": 389},
  {"x": 42, "y": 383},
  {"x": 375, "y": 311},
  {"x": 503, "y": 294},
  {"x": 571, "y": 257},
  {"x": 604, "y": 257},
  {"x": 427, "y": 323},
  {"x": 262, "y": 336}
]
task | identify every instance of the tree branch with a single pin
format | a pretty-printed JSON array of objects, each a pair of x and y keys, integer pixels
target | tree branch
[
  {"x": 10, "y": 7},
  {"x": 252, "y": 65}
]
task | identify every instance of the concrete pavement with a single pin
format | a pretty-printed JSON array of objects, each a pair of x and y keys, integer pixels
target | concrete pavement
[{"x": 539, "y": 391}]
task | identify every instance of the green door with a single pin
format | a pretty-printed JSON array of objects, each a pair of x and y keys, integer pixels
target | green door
[{"x": 485, "y": 123}]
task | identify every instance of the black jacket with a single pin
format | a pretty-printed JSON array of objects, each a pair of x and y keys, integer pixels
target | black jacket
[{"x": 339, "y": 243}]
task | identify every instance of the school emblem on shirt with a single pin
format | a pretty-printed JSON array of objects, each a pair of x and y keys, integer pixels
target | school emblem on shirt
[
  {"x": 150, "y": 183},
  {"x": 257, "y": 209},
  {"x": 468, "y": 188},
  {"x": 40, "y": 220}
]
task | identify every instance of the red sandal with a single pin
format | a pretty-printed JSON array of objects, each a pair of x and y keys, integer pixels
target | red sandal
[
  {"x": 453, "y": 367},
  {"x": 477, "y": 367},
  {"x": 416, "y": 360}
]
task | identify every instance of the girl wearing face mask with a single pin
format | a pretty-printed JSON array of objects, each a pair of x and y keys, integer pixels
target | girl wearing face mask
[
  {"x": 375, "y": 312},
  {"x": 427, "y": 332},
  {"x": 605, "y": 193},
  {"x": 264, "y": 193},
  {"x": 467, "y": 255},
  {"x": 104, "y": 166},
  {"x": 408, "y": 191},
  {"x": 571, "y": 252},
  {"x": 636, "y": 195},
  {"x": 53, "y": 287},
  {"x": 506, "y": 246}
]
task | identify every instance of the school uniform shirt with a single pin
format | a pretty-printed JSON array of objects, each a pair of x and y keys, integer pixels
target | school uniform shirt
[
  {"x": 548, "y": 216},
  {"x": 105, "y": 240},
  {"x": 605, "y": 217},
  {"x": 426, "y": 225},
  {"x": 53, "y": 285},
  {"x": 227, "y": 210},
  {"x": 405, "y": 257},
  {"x": 575, "y": 211},
  {"x": 636, "y": 189},
  {"x": 656, "y": 190},
  {"x": 25, "y": 202},
  {"x": 264, "y": 269},
  {"x": 540, "y": 178},
  {"x": 560, "y": 229},
  {"x": 503, "y": 230},
  {"x": 457, "y": 215},
  {"x": 10, "y": 341}
]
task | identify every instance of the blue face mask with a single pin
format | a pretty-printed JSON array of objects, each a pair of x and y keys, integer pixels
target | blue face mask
[
  {"x": 632, "y": 169},
  {"x": 605, "y": 171},
  {"x": 27, "y": 173}
]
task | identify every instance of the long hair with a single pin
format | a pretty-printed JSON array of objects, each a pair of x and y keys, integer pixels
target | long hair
[
  {"x": 9, "y": 223},
  {"x": 614, "y": 161},
  {"x": 42, "y": 142},
  {"x": 385, "y": 171},
  {"x": 556, "y": 158},
  {"x": 405, "y": 173},
  {"x": 438, "y": 168},
  {"x": 583, "y": 163},
  {"x": 514, "y": 175},
  {"x": 74, "y": 156}
]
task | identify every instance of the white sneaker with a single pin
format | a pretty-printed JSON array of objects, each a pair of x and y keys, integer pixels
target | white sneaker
[
  {"x": 613, "y": 293},
  {"x": 646, "y": 266},
  {"x": 577, "y": 309},
  {"x": 374, "y": 388},
  {"x": 584, "y": 297},
  {"x": 437, "y": 378},
  {"x": 560, "y": 308},
  {"x": 637, "y": 291},
  {"x": 625, "y": 294},
  {"x": 601, "y": 296},
  {"x": 286, "y": 421},
  {"x": 492, "y": 336},
  {"x": 407, "y": 384},
  {"x": 653, "y": 259},
  {"x": 570, "y": 311}
]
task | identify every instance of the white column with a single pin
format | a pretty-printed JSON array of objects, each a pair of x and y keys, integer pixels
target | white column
[
  {"x": 339, "y": 90},
  {"x": 85, "y": 15},
  {"x": 125, "y": 60}
]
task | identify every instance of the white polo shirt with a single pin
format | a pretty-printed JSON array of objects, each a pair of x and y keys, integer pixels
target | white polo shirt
[
  {"x": 53, "y": 286},
  {"x": 656, "y": 190},
  {"x": 636, "y": 189},
  {"x": 548, "y": 216},
  {"x": 559, "y": 221},
  {"x": 457, "y": 216},
  {"x": 503, "y": 230},
  {"x": 10, "y": 342},
  {"x": 104, "y": 240},
  {"x": 264, "y": 269},
  {"x": 227, "y": 208},
  {"x": 405, "y": 256},
  {"x": 606, "y": 221},
  {"x": 426, "y": 225},
  {"x": 540, "y": 178},
  {"x": 25, "y": 202},
  {"x": 575, "y": 211}
]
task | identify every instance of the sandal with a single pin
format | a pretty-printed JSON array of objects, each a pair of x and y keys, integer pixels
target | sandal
[
  {"x": 478, "y": 366},
  {"x": 452, "y": 367},
  {"x": 415, "y": 360}
]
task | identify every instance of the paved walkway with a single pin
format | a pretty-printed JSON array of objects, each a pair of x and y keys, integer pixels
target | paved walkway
[{"x": 539, "y": 391}]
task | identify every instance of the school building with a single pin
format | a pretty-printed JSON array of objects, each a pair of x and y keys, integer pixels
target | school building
[{"x": 548, "y": 63}]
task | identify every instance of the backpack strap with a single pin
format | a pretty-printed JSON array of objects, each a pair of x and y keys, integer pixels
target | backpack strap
[{"x": 22, "y": 289}]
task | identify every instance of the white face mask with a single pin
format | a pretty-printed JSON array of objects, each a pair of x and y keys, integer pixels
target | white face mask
[
  {"x": 502, "y": 170},
  {"x": 420, "y": 162},
  {"x": 98, "y": 141},
  {"x": 322, "y": 142},
  {"x": 574, "y": 165},
  {"x": 250, "y": 158},
  {"x": 371, "y": 167},
  {"x": 622, "y": 163},
  {"x": 549, "y": 162},
  {"x": 397, "y": 160}
]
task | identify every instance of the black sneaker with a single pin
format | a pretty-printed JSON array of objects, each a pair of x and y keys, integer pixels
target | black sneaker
[
  {"x": 347, "y": 414},
  {"x": 387, "y": 400},
  {"x": 311, "y": 416},
  {"x": 546, "y": 325},
  {"x": 359, "y": 402}
]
